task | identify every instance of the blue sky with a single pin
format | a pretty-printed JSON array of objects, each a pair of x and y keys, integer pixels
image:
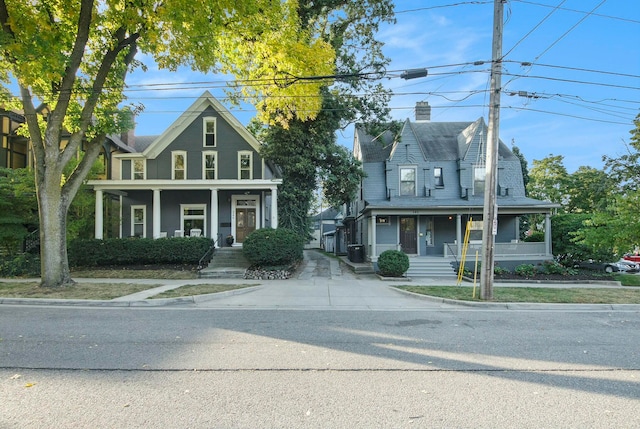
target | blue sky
[{"x": 582, "y": 91}]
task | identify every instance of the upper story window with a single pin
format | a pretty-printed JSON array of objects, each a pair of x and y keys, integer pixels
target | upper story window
[
  {"x": 479, "y": 174},
  {"x": 437, "y": 177},
  {"x": 245, "y": 165},
  {"x": 407, "y": 181},
  {"x": 210, "y": 165},
  {"x": 209, "y": 132},
  {"x": 178, "y": 165},
  {"x": 138, "y": 169}
]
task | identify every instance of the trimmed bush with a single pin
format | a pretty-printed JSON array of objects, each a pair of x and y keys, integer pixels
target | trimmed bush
[
  {"x": 525, "y": 270},
  {"x": 22, "y": 265},
  {"x": 268, "y": 247},
  {"x": 137, "y": 251},
  {"x": 393, "y": 263}
]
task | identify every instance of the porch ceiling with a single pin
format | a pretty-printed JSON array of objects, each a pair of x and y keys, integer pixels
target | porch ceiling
[{"x": 129, "y": 185}]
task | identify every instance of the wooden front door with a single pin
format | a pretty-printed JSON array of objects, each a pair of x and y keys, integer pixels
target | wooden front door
[
  {"x": 245, "y": 222},
  {"x": 408, "y": 235}
]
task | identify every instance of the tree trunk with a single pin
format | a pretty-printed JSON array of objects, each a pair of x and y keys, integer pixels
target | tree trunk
[{"x": 54, "y": 265}]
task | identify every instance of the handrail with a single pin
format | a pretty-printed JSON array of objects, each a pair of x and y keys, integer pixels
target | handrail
[
  {"x": 454, "y": 254},
  {"x": 211, "y": 250}
]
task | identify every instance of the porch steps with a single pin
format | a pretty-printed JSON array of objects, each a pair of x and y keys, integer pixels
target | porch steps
[
  {"x": 226, "y": 263},
  {"x": 431, "y": 267}
]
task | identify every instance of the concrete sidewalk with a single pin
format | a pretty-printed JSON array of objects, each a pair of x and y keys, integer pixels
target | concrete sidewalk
[{"x": 322, "y": 283}]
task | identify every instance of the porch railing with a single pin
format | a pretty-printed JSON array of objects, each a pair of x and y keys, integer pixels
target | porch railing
[{"x": 501, "y": 249}]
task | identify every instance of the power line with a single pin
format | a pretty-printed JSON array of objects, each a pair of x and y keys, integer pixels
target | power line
[{"x": 635, "y": 21}]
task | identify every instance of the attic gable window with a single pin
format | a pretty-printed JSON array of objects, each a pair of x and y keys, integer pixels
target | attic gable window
[
  {"x": 437, "y": 177},
  {"x": 408, "y": 181},
  {"x": 178, "y": 165},
  {"x": 209, "y": 132}
]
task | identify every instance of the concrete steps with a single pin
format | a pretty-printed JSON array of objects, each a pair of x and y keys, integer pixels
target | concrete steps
[
  {"x": 226, "y": 263},
  {"x": 431, "y": 267}
]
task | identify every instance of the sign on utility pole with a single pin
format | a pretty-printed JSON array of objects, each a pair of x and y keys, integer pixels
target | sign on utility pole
[{"x": 490, "y": 211}]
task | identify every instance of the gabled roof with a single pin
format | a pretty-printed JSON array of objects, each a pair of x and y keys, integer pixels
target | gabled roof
[
  {"x": 191, "y": 114},
  {"x": 439, "y": 141},
  {"x": 374, "y": 149}
]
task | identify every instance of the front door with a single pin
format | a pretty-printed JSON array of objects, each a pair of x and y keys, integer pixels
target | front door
[
  {"x": 408, "y": 235},
  {"x": 245, "y": 222}
]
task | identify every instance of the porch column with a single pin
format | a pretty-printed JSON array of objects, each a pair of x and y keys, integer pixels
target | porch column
[
  {"x": 99, "y": 215},
  {"x": 459, "y": 235},
  {"x": 518, "y": 229},
  {"x": 274, "y": 207},
  {"x": 547, "y": 233},
  {"x": 214, "y": 216},
  {"x": 156, "y": 213},
  {"x": 374, "y": 240}
]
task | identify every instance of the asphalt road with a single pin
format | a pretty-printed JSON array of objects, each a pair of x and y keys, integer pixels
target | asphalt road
[{"x": 165, "y": 367}]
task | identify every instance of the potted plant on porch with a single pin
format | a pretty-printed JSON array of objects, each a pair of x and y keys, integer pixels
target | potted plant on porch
[{"x": 229, "y": 239}]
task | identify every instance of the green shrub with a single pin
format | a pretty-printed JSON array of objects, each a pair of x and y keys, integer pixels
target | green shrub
[
  {"x": 137, "y": 251},
  {"x": 535, "y": 237},
  {"x": 500, "y": 270},
  {"x": 526, "y": 270},
  {"x": 393, "y": 263},
  {"x": 268, "y": 247},
  {"x": 552, "y": 267},
  {"x": 22, "y": 265}
]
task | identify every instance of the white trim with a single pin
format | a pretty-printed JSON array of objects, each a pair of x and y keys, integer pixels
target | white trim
[
  {"x": 190, "y": 115},
  {"x": 174, "y": 154},
  {"x": 144, "y": 220},
  {"x": 133, "y": 168},
  {"x": 232, "y": 184},
  {"x": 206, "y": 120},
  {"x": 204, "y": 164},
  {"x": 234, "y": 205},
  {"x": 415, "y": 179},
  {"x": 241, "y": 153}
]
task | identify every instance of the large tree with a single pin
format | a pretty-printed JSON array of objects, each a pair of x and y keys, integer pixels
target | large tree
[
  {"x": 548, "y": 179},
  {"x": 74, "y": 55},
  {"x": 307, "y": 150}
]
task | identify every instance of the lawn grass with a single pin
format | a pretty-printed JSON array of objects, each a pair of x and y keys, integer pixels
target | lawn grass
[
  {"x": 628, "y": 279},
  {"x": 190, "y": 290},
  {"x": 99, "y": 291},
  {"x": 124, "y": 273},
  {"x": 534, "y": 294}
]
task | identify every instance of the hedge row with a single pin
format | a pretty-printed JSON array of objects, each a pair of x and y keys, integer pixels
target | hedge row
[
  {"x": 137, "y": 251},
  {"x": 269, "y": 247}
]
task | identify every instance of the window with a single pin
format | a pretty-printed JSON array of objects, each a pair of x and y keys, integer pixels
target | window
[
  {"x": 209, "y": 165},
  {"x": 138, "y": 221},
  {"x": 437, "y": 177},
  {"x": 383, "y": 220},
  {"x": 245, "y": 165},
  {"x": 193, "y": 217},
  {"x": 209, "y": 132},
  {"x": 408, "y": 181},
  {"x": 475, "y": 230},
  {"x": 178, "y": 165},
  {"x": 479, "y": 174},
  {"x": 138, "y": 169}
]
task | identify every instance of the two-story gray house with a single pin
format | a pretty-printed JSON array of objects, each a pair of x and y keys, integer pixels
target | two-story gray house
[
  {"x": 425, "y": 186},
  {"x": 203, "y": 176}
]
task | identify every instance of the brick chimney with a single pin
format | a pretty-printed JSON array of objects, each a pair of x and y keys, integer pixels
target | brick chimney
[
  {"x": 128, "y": 137},
  {"x": 423, "y": 111}
]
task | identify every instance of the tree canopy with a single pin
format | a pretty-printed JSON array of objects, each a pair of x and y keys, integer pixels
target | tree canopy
[
  {"x": 74, "y": 56},
  {"x": 307, "y": 150}
]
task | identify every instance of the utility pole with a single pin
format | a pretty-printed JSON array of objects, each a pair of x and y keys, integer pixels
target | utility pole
[{"x": 490, "y": 212}]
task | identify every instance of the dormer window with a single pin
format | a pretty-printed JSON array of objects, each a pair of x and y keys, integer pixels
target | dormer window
[
  {"x": 408, "y": 181},
  {"x": 179, "y": 165},
  {"x": 138, "y": 169},
  {"x": 437, "y": 177},
  {"x": 209, "y": 132},
  {"x": 479, "y": 174}
]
